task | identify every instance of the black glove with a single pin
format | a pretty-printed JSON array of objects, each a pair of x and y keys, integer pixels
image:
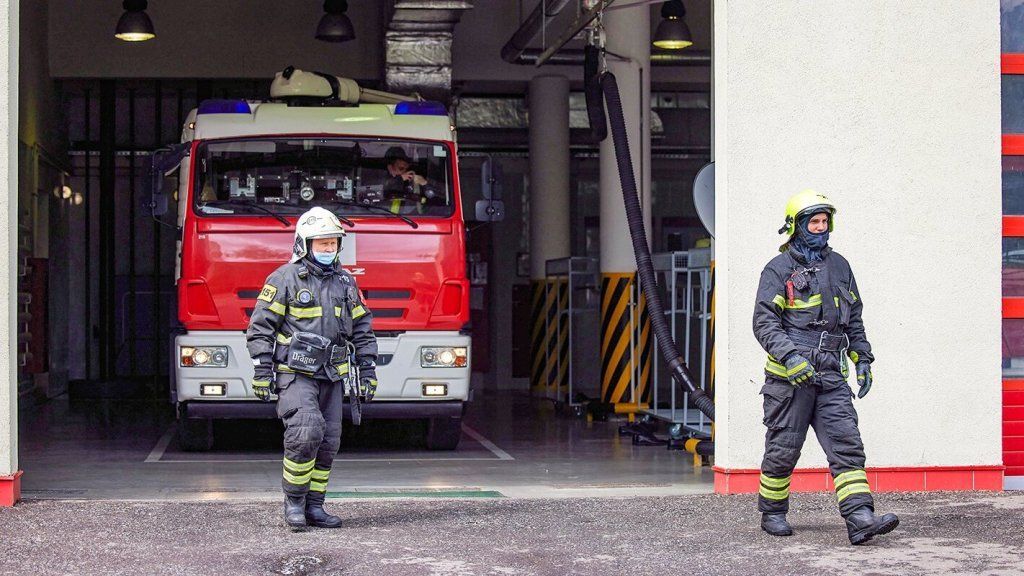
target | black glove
[
  {"x": 368, "y": 380},
  {"x": 864, "y": 378},
  {"x": 263, "y": 384},
  {"x": 798, "y": 370}
]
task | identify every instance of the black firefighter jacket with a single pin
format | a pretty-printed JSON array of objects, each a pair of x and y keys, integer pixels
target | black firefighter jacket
[
  {"x": 829, "y": 301},
  {"x": 302, "y": 297}
]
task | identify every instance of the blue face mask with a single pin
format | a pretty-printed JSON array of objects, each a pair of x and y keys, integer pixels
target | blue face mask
[{"x": 325, "y": 258}]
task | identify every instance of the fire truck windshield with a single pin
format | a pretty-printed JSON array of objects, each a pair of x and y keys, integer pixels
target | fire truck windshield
[{"x": 289, "y": 175}]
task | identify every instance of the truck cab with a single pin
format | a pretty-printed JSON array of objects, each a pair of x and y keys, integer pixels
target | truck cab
[{"x": 247, "y": 170}]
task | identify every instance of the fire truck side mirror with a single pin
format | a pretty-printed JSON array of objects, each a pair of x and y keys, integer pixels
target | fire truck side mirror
[
  {"x": 165, "y": 162},
  {"x": 490, "y": 210}
]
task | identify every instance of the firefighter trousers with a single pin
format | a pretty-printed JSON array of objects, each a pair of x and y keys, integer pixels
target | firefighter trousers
[
  {"x": 788, "y": 411},
  {"x": 311, "y": 410}
]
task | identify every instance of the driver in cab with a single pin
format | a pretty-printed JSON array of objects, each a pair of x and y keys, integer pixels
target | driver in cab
[{"x": 404, "y": 190}]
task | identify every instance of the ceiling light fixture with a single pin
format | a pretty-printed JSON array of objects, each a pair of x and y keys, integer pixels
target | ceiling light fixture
[
  {"x": 335, "y": 26},
  {"x": 134, "y": 25},
  {"x": 672, "y": 32}
]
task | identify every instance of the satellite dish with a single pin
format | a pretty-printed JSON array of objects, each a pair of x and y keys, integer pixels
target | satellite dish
[{"x": 704, "y": 196}]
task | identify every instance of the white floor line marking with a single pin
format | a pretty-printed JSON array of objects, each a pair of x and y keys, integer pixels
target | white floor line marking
[
  {"x": 501, "y": 454},
  {"x": 342, "y": 460},
  {"x": 161, "y": 444}
]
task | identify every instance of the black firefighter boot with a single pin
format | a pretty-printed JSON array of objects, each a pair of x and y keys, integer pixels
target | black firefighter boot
[
  {"x": 315, "y": 513},
  {"x": 863, "y": 525},
  {"x": 295, "y": 511},
  {"x": 776, "y": 525}
]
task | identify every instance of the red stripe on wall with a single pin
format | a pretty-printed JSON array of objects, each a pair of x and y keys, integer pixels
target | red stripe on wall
[{"x": 897, "y": 479}]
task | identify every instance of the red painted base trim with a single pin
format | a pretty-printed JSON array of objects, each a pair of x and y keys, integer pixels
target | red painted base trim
[
  {"x": 10, "y": 489},
  {"x": 900, "y": 479}
]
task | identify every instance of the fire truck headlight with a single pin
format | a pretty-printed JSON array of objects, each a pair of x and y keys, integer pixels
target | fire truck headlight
[
  {"x": 204, "y": 356},
  {"x": 444, "y": 357}
]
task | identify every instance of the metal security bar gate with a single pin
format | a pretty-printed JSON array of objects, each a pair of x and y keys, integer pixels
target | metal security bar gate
[
  {"x": 686, "y": 279},
  {"x": 571, "y": 349}
]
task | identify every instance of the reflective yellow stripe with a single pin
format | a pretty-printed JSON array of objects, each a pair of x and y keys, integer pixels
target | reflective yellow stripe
[
  {"x": 311, "y": 312},
  {"x": 315, "y": 486},
  {"x": 358, "y": 312},
  {"x": 303, "y": 467},
  {"x": 396, "y": 205},
  {"x": 854, "y": 356},
  {"x": 342, "y": 369},
  {"x": 297, "y": 480},
  {"x": 284, "y": 368},
  {"x": 321, "y": 475},
  {"x": 774, "y": 494},
  {"x": 845, "y": 477},
  {"x": 796, "y": 369},
  {"x": 775, "y": 368},
  {"x": 779, "y": 301},
  {"x": 852, "y": 489},
  {"x": 775, "y": 482},
  {"x": 836, "y": 298},
  {"x": 814, "y": 300},
  {"x": 854, "y": 295},
  {"x": 284, "y": 339},
  {"x": 260, "y": 383},
  {"x": 277, "y": 308},
  {"x": 337, "y": 311}
]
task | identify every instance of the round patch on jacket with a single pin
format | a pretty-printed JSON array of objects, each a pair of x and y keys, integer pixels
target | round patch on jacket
[{"x": 304, "y": 296}]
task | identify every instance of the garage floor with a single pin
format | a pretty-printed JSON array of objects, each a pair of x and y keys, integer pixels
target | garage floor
[{"x": 512, "y": 444}]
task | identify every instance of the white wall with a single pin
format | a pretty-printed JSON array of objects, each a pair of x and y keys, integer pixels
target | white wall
[
  {"x": 200, "y": 38},
  {"x": 8, "y": 239},
  {"x": 893, "y": 110}
]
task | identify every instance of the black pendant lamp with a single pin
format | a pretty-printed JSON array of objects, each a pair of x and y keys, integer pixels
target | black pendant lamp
[
  {"x": 134, "y": 25},
  {"x": 335, "y": 26},
  {"x": 672, "y": 32}
]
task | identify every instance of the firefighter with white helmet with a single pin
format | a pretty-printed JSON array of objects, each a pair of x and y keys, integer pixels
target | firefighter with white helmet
[
  {"x": 808, "y": 318},
  {"x": 307, "y": 315}
]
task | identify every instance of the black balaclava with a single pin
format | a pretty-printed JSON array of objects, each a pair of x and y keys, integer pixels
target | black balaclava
[{"x": 810, "y": 246}]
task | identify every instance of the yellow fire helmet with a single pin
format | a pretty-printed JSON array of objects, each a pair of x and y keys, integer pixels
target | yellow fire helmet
[
  {"x": 316, "y": 223},
  {"x": 807, "y": 202}
]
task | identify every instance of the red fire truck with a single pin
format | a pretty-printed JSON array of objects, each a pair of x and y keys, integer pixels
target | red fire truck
[{"x": 247, "y": 169}]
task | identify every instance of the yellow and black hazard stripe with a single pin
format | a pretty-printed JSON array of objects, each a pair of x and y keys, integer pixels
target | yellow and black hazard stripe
[
  {"x": 537, "y": 332},
  {"x": 561, "y": 363},
  {"x": 551, "y": 335},
  {"x": 616, "y": 356},
  {"x": 642, "y": 346}
]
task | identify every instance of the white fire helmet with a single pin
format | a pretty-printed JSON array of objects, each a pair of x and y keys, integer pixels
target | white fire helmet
[{"x": 316, "y": 223}]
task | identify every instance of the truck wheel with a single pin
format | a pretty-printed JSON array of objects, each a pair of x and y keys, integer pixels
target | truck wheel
[
  {"x": 444, "y": 433},
  {"x": 195, "y": 434}
]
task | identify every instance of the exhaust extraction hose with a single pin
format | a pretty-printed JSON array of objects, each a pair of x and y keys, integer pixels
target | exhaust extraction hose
[{"x": 644, "y": 266}]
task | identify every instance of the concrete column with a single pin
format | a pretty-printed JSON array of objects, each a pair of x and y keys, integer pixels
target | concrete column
[
  {"x": 625, "y": 345},
  {"x": 9, "y": 473},
  {"x": 549, "y": 217}
]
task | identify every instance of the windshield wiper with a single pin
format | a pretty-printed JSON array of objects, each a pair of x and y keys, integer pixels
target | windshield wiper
[
  {"x": 380, "y": 209},
  {"x": 259, "y": 208}
]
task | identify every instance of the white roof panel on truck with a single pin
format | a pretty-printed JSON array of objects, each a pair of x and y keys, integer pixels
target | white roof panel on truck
[{"x": 274, "y": 118}]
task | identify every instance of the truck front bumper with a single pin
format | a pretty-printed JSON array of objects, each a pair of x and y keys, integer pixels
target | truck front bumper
[{"x": 378, "y": 410}]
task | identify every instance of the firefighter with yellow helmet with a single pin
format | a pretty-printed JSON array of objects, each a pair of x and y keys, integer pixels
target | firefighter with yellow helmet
[
  {"x": 306, "y": 317},
  {"x": 808, "y": 318}
]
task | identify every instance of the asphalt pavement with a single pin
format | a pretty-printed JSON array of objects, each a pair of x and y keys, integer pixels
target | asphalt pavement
[{"x": 940, "y": 533}]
